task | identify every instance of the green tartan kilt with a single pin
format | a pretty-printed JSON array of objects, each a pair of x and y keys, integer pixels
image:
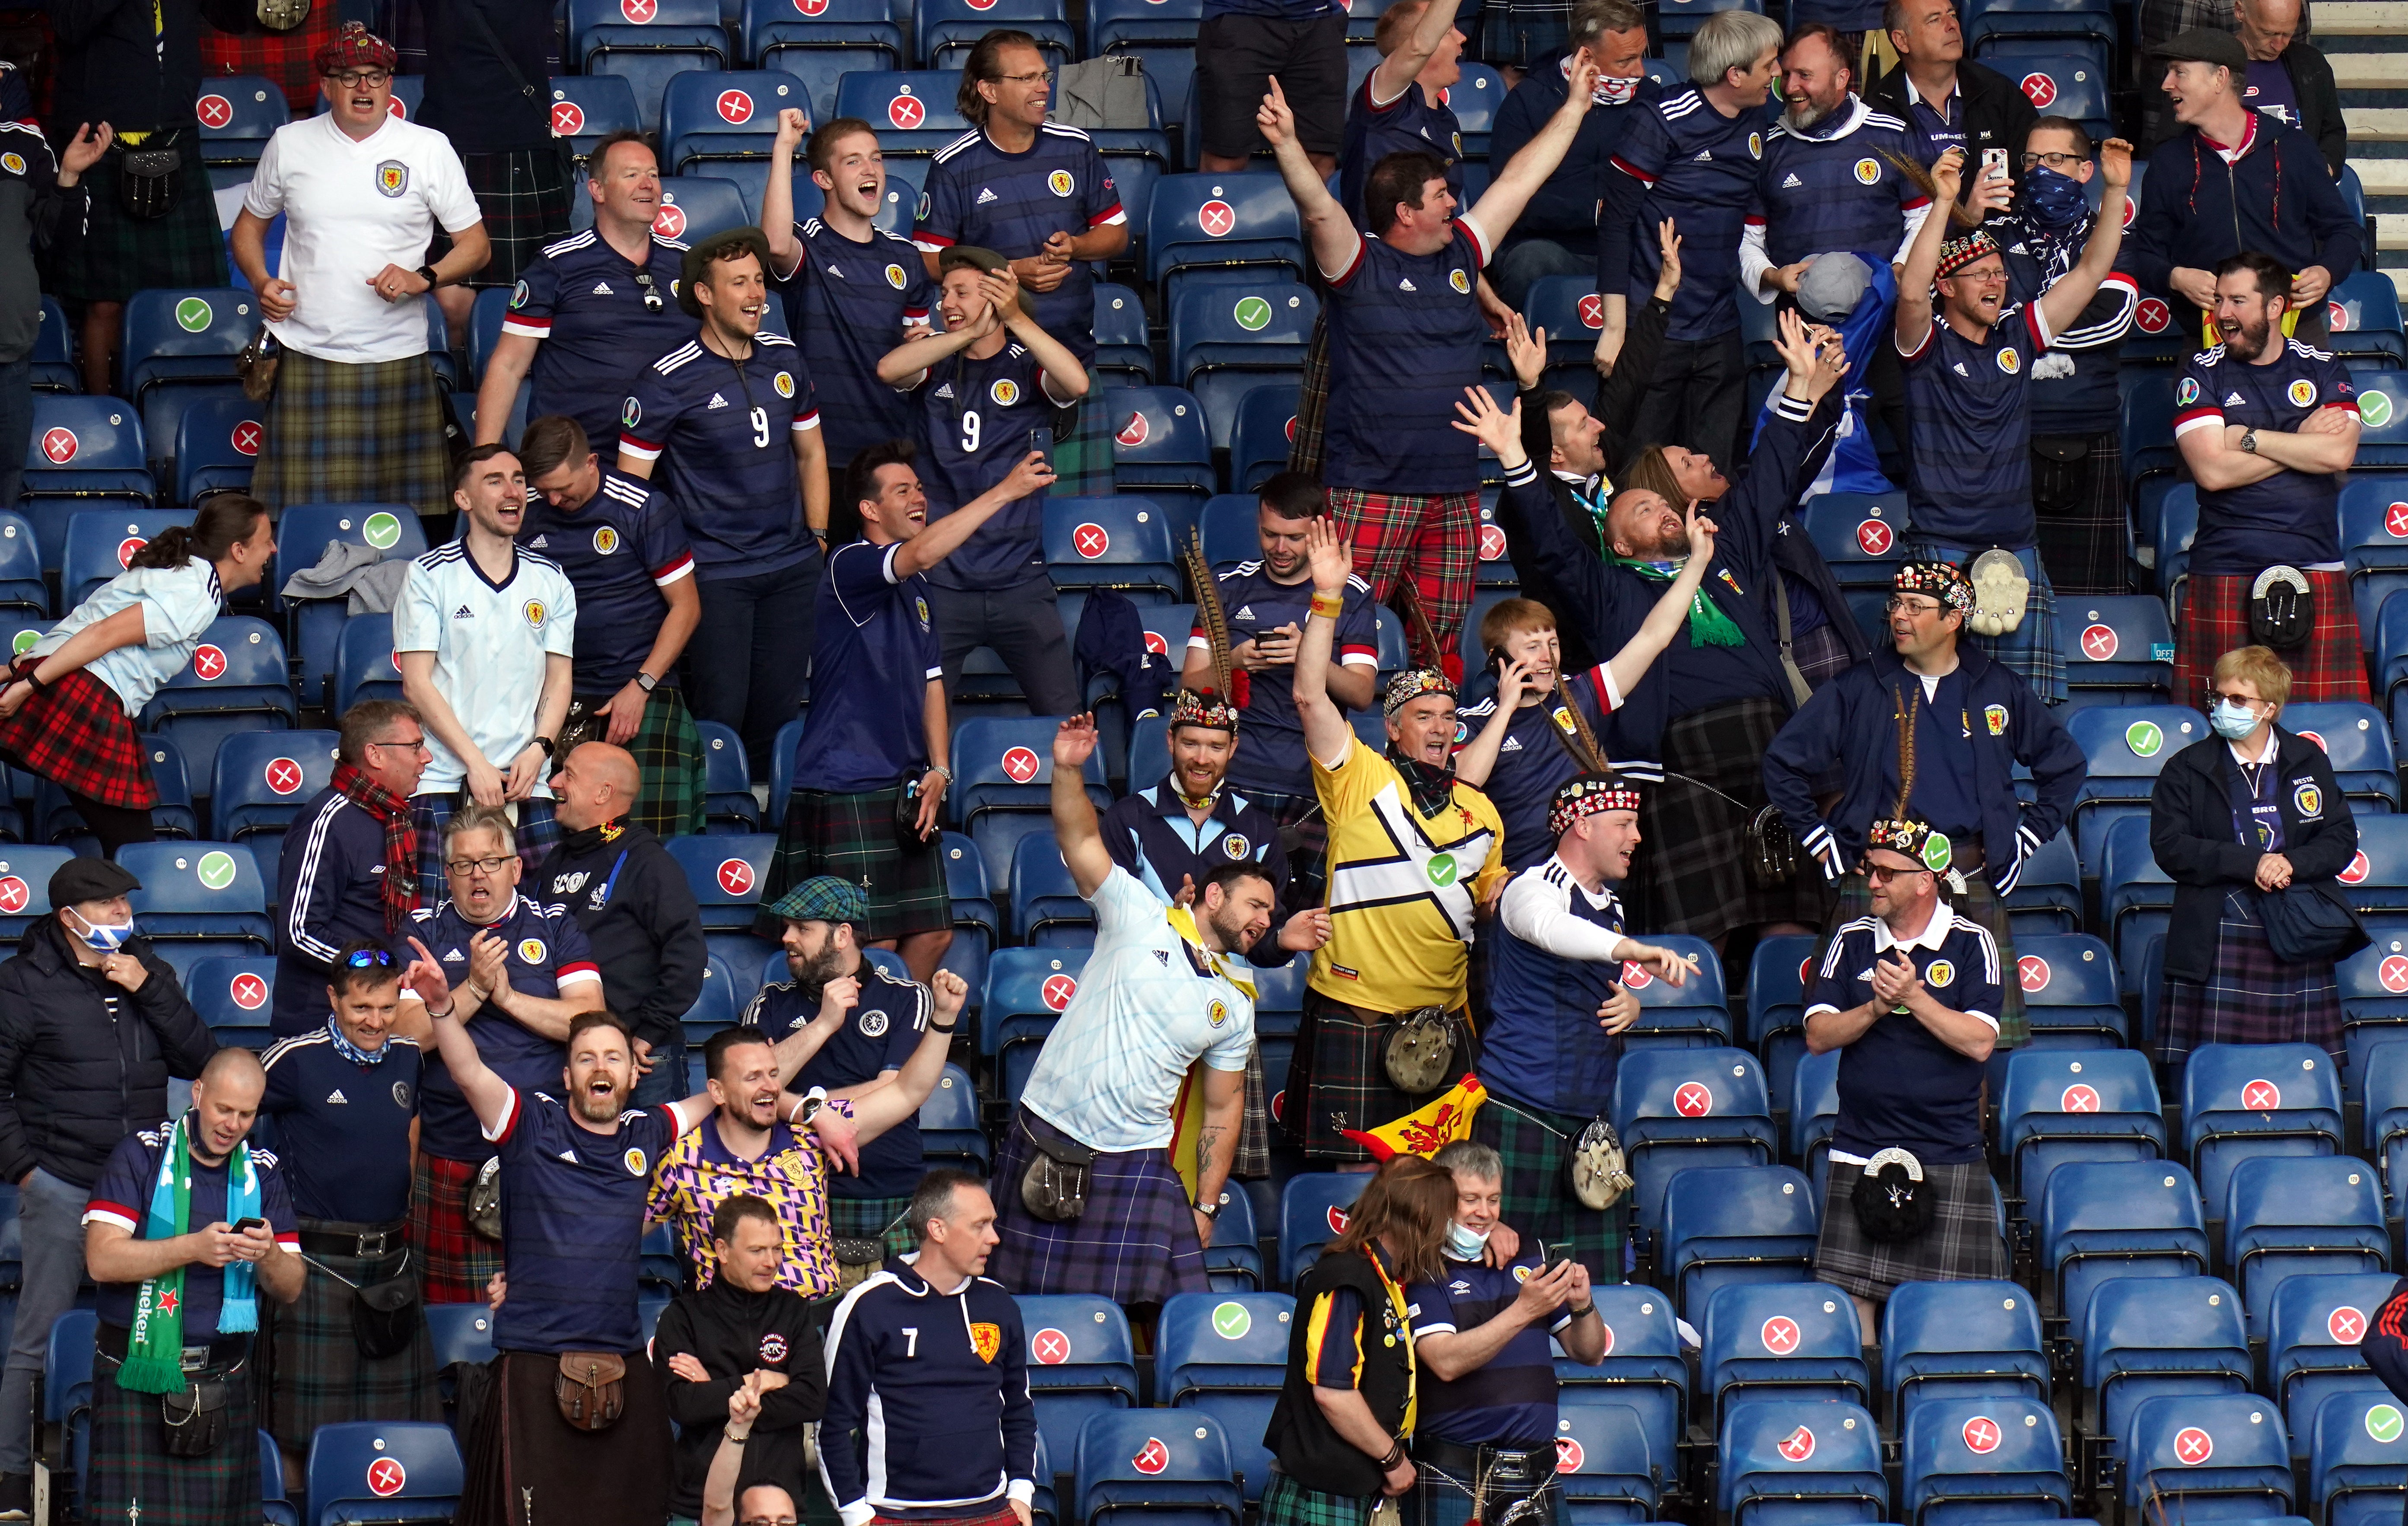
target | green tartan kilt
[
  {"x": 851, "y": 837},
  {"x": 316, "y": 1375},
  {"x": 667, "y": 748},
  {"x": 873, "y": 1218},
  {"x": 1084, "y": 457},
  {"x": 1537, "y": 1201},
  {"x": 1287, "y": 1503},
  {"x": 118, "y": 254},
  {"x": 133, "y": 1479}
]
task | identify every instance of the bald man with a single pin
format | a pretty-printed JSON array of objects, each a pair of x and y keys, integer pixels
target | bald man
[
  {"x": 2288, "y": 77},
  {"x": 634, "y": 905}
]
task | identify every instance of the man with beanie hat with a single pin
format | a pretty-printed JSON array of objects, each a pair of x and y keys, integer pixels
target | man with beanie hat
[
  {"x": 93, "y": 1024},
  {"x": 735, "y": 415}
]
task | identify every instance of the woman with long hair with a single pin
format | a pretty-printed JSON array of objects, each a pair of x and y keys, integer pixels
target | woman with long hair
[{"x": 68, "y": 706}]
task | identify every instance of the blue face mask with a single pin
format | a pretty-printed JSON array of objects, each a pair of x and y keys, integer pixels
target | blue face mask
[
  {"x": 103, "y": 937},
  {"x": 1465, "y": 1244},
  {"x": 2232, "y": 722},
  {"x": 2052, "y": 200}
]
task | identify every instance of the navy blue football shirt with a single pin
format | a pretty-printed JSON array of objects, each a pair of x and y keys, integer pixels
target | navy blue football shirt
[
  {"x": 586, "y": 303},
  {"x": 343, "y": 1126},
  {"x": 1405, "y": 334},
  {"x": 122, "y": 1197},
  {"x": 1407, "y": 124},
  {"x": 620, "y": 550},
  {"x": 877, "y": 653},
  {"x": 2292, "y": 516},
  {"x": 879, "y": 1035},
  {"x": 851, "y": 303},
  {"x": 1682, "y": 159},
  {"x": 1012, "y": 203},
  {"x": 1899, "y": 1084},
  {"x": 1968, "y": 407},
  {"x": 548, "y": 954},
  {"x": 1271, "y": 737},
  {"x": 977, "y": 419},
  {"x": 726, "y": 427},
  {"x": 1834, "y": 186}
]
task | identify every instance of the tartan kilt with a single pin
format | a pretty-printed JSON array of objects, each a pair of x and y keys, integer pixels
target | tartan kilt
[
  {"x": 1532, "y": 1142},
  {"x": 342, "y": 433},
  {"x": 1440, "y": 1498},
  {"x": 539, "y": 834},
  {"x": 76, "y": 734},
  {"x": 2216, "y": 620},
  {"x": 1084, "y": 457},
  {"x": 1428, "y": 539},
  {"x": 529, "y": 1467},
  {"x": 2250, "y": 996},
  {"x": 1979, "y": 903},
  {"x": 1253, "y": 1161},
  {"x": 1305, "y": 450},
  {"x": 133, "y": 1478},
  {"x": 523, "y": 194},
  {"x": 1961, "y": 1246},
  {"x": 1134, "y": 1243},
  {"x": 2079, "y": 508},
  {"x": 454, "y": 1262},
  {"x": 873, "y": 1218},
  {"x": 667, "y": 748},
  {"x": 1287, "y": 1503},
  {"x": 115, "y": 254},
  {"x": 1337, "y": 1078},
  {"x": 1691, "y": 875},
  {"x": 851, "y": 837},
  {"x": 316, "y": 1375},
  {"x": 1004, "y": 1516},
  {"x": 2030, "y": 649},
  {"x": 1308, "y": 862},
  {"x": 287, "y": 58}
]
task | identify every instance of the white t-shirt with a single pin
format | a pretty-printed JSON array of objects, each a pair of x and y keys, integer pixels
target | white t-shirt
[
  {"x": 489, "y": 642},
  {"x": 351, "y": 208},
  {"x": 178, "y": 604}
]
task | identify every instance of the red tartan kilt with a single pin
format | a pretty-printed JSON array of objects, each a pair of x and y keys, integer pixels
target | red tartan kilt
[
  {"x": 2216, "y": 620},
  {"x": 76, "y": 734}
]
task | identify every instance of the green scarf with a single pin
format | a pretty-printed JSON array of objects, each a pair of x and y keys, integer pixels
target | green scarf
[
  {"x": 1708, "y": 624},
  {"x": 154, "y": 1349}
]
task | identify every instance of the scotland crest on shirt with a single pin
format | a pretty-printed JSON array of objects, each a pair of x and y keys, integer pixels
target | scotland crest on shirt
[
  {"x": 393, "y": 176},
  {"x": 986, "y": 1340}
]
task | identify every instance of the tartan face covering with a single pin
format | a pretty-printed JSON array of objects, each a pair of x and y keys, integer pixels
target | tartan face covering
[
  {"x": 400, "y": 892},
  {"x": 1708, "y": 624},
  {"x": 154, "y": 1347}
]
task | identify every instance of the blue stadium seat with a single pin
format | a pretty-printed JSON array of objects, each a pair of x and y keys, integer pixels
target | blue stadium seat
[
  {"x": 2313, "y": 1330},
  {"x": 1161, "y": 447},
  {"x": 2356, "y": 743},
  {"x": 1800, "y": 1461},
  {"x": 1004, "y": 774},
  {"x": 55, "y": 819},
  {"x": 1960, "y": 1340},
  {"x": 2374, "y": 980},
  {"x": 2118, "y": 1220},
  {"x": 2358, "y": 1456},
  {"x": 2383, "y": 418},
  {"x": 950, "y": 1134},
  {"x": 25, "y": 870},
  {"x": 588, "y": 108},
  {"x": 646, "y": 42},
  {"x": 236, "y": 681},
  {"x": 725, "y": 872},
  {"x": 1112, "y": 542},
  {"x": 101, "y": 542},
  {"x": 1643, "y": 1368},
  {"x": 1215, "y": 228},
  {"x": 63, "y": 1417},
  {"x": 821, "y": 40},
  {"x": 264, "y": 778},
  {"x": 1814, "y": 1113},
  {"x": 1859, "y": 535},
  {"x": 2363, "y": 312},
  {"x": 1234, "y": 1262},
  {"x": 713, "y": 1009},
  {"x": 2064, "y": 77},
  {"x": 912, "y": 109},
  {"x": 2246, "y": 1099},
  {"x": 22, "y": 589},
  {"x": 385, "y": 1471},
  {"x": 1149, "y": 1466},
  {"x": 238, "y": 114},
  {"x": 1568, "y": 310},
  {"x": 234, "y": 997},
  {"x": 2374, "y": 547},
  {"x": 302, "y": 536},
  {"x": 1081, "y": 1360},
  {"x": 2069, "y": 989},
  {"x": 1228, "y": 339},
  {"x": 1129, "y": 26},
  {"x": 84, "y": 452},
  {"x": 2126, "y": 747},
  {"x": 2382, "y": 1091},
  {"x": 2136, "y": 899},
  {"x": 2047, "y": 897},
  {"x": 1026, "y": 990},
  {"x": 947, "y": 28},
  {"x": 1685, "y": 17},
  {"x": 1047, "y": 910},
  {"x": 179, "y": 348},
  {"x": 1682, "y": 1108},
  {"x": 1997, "y": 20},
  {"x": 53, "y": 353},
  {"x": 977, "y": 929},
  {"x": 2288, "y": 1218},
  {"x": 1313, "y": 1213},
  {"x": 2209, "y": 1456},
  {"x": 2147, "y": 426},
  {"x": 1777, "y": 972},
  {"x": 693, "y": 208},
  {"x": 729, "y": 805},
  {"x": 1800, "y": 1338},
  {"x": 707, "y": 116},
  {"x": 2062, "y": 1106},
  {"x": 1259, "y": 440},
  {"x": 2154, "y": 1337},
  {"x": 217, "y": 443},
  {"x": 1604, "y": 1462},
  {"x": 1735, "y": 1224},
  {"x": 1980, "y": 1458},
  {"x": 198, "y": 890},
  {"x": 1475, "y": 98},
  {"x": 364, "y": 665},
  {"x": 1123, "y": 353},
  {"x": 2119, "y": 649},
  {"x": 462, "y": 1336}
]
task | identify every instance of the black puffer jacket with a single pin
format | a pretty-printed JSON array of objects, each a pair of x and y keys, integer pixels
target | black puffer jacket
[{"x": 73, "y": 1082}]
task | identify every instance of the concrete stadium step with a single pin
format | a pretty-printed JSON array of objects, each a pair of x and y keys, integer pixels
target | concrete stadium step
[
  {"x": 2360, "y": 19},
  {"x": 2370, "y": 125},
  {"x": 2370, "y": 70}
]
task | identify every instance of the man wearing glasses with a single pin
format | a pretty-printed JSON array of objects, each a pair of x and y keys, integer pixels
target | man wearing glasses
[
  {"x": 1949, "y": 763},
  {"x": 525, "y": 970},
  {"x": 353, "y": 870}
]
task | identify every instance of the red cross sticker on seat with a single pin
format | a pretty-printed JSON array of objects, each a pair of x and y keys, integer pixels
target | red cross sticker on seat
[
  {"x": 1875, "y": 537},
  {"x": 2395, "y": 521},
  {"x": 2393, "y": 973},
  {"x": 568, "y": 118},
  {"x": 128, "y": 547},
  {"x": 394, "y": 108},
  {"x": 669, "y": 222},
  {"x": 386, "y": 1476},
  {"x": 1982, "y": 1435},
  {"x": 2262, "y": 1097},
  {"x": 2345, "y": 1325},
  {"x": 2032, "y": 971},
  {"x": 1695, "y": 1100},
  {"x": 208, "y": 662},
  {"x": 735, "y": 876},
  {"x": 2099, "y": 642},
  {"x": 1134, "y": 431},
  {"x": 2318, "y": 738},
  {"x": 735, "y": 106},
  {"x": 812, "y": 8},
  {"x": 1337, "y": 1218},
  {"x": 1153, "y": 1456},
  {"x": 2193, "y": 1446},
  {"x": 1492, "y": 543},
  {"x": 1568, "y": 1455},
  {"x": 1019, "y": 764},
  {"x": 215, "y": 110},
  {"x": 249, "y": 991},
  {"x": 2336, "y": 317},
  {"x": 2358, "y": 869},
  {"x": 283, "y": 775},
  {"x": 59, "y": 445},
  {"x": 2040, "y": 87},
  {"x": 1217, "y": 218},
  {"x": 1050, "y": 1347},
  {"x": 14, "y": 895},
  {"x": 1636, "y": 976},
  {"x": 1592, "y": 312},
  {"x": 1056, "y": 992},
  {"x": 1780, "y": 1335},
  {"x": 2153, "y": 315},
  {"x": 1291, "y": 428},
  {"x": 1091, "y": 539},
  {"x": 1797, "y": 1445},
  {"x": 246, "y": 437},
  {"x": 2078, "y": 1098},
  {"x": 639, "y": 11},
  {"x": 905, "y": 111}
]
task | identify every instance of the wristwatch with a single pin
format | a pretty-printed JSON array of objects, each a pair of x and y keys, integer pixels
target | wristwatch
[
  {"x": 427, "y": 273},
  {"x": 546, "y": 744},
  {"x": 645, "y": 680},
  {"x": 2249, "y": 440},
  {"x": 1210, "y": 1210}
]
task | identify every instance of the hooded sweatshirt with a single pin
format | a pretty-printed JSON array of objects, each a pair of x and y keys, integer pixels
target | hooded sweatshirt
[{"x": 731, "y": 1333}]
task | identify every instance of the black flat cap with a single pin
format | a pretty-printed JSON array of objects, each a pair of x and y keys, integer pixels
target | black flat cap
[
  {"x": 2203, "y": 45},
  {"x": 80, "y": 879}
]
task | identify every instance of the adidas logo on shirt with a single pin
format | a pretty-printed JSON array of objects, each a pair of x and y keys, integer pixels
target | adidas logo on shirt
[
  {"x": 1791, "y": 183},
  {"x": 464, "y": 613},
  {"x": 837, "y": 273},
  {"x": 453, "y": 957},
  {"x": 945, "y": 391},
  {"x": 984, "y": 196},
  {"x": 1705, "y": 156},
  {"x": 2232, "y": 400},
  {"x": 1959, "y": 369},
  {"x": 569, "y": 1156},
  {"x": 1404, "y": 284},
  {"x": 336, "y": 1096},
  {"x": 716, "y": 401},
  {"x": 1245, "y": 612},
  {"x": 536, "y": 544},
  {"x": 1512, "y": 744},
  {"x": 601, "y": 288}
]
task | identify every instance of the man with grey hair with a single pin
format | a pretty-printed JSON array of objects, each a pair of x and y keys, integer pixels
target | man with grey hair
[
  {"x": 1487, "y": 1414},
  {"x": 1691, "y": 158},
  {"x": 2290, "y": 78},
  {"x": 1557, "y": 235},
  {"x": 1946, "y": 100}
]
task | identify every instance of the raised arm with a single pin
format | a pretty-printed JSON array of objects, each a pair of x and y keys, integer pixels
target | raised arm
[
  {"x": 2062, "y": 303},
  {"x": 1327, "y": 227},
  {"x": 879, "y": 1109},
  {"x": 1395, "y": 74},
  {"x": 1074, "y": 815},
  {"x": 1501, "y": 206},
  {"x": 1065, "y": 378},
  {"x": 940, "y": 538},
  {"x": 1326, "y": 735},
  {"x": 901, "y": 365},
  {"x": 1911, "y": 325},
  {"x": 778, "y": 196},
  {"x": 728, "y": 1460},
  {"x": 489, "y": 1096},
  {"x": 1476, "y": 759}
]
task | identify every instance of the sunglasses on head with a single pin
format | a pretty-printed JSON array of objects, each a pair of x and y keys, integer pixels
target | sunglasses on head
[{"x": 370, "y": 959}]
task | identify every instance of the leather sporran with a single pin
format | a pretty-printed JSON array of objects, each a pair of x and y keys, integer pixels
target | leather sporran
[
  {"x": 591, "y": 1388},
  {"x": 194, "y": 1420},
  {"x": 1055, "y": 1186},
  {"x": 485, "y": 1201},
  {"x": 1894, "y": 1203},
  {"x": 1771, "y": 852},
  {"x": 2282, "y": 609},
  {"x": 257, "y": 365},
  {"x": 146, "y": 179},
  {"x": 384, "y": 1315},
  {"x": 1594, "y": 1167},
  {"x": 1420, "y": 1052}
]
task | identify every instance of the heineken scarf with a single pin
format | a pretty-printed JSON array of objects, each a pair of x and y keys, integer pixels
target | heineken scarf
[
  {"x": 1708, "y": 624},
  {"x": 154, "y": 1349}
]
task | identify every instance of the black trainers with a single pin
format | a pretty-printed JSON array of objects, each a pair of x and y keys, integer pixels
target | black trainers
[{"x": 16, "y": 1496}]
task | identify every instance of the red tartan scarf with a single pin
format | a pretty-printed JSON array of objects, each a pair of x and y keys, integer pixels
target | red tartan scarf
[{"x": 400, "y": 840}]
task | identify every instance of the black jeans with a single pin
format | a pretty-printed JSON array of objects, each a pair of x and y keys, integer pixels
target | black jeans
[
  {"x": 1695, "y": 397},
  {"x": 746, "y": 666},
  {"x": 1024, "y": 627}
]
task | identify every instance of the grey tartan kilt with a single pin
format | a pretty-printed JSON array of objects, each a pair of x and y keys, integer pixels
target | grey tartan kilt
[{"x": 1963, "y": 1244}]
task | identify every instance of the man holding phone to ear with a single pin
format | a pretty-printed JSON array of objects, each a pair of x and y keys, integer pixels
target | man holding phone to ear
[{"x": 987, "y": 393}]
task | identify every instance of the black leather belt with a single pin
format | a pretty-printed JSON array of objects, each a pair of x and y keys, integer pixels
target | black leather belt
[
  {"x": 1467, "y": 1463},
  {"x": 112, "y": 1341},
  {"x": 361, "y": 1242}
]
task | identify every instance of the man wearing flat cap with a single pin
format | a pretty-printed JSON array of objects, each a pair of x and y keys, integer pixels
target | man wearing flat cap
[
  {"x": 1910, "y": 994},
  {"x": 93, "y": 1024},
  {"x": 992, "y": 393},
  {"x": 1553, "y": 982},
  {"x": 1932, "y": 727},
  {"x": 731, "y": 426},
  {"x": 358, "y": 414}
]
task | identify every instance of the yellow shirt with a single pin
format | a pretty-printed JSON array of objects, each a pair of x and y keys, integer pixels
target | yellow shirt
[{"x": 1402, "y": 887}]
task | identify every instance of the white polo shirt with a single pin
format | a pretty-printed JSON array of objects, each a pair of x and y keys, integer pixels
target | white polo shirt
[
  {"x": 351, "y": 208},
  {"x": 489, "y": 642},
  {"x": 178, "y": 604}
]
